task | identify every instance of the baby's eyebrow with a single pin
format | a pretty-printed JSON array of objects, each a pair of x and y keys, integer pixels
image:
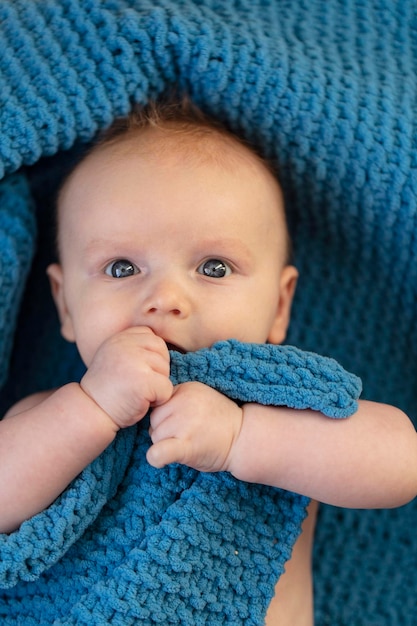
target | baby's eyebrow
[
  {"x": 229, "y": 247},
  {"x": 106, "y": 242},
  {"x": 111, "y": 246},
  {"x": 226, "y": 245},
  {"x": 97, "y": 244}
]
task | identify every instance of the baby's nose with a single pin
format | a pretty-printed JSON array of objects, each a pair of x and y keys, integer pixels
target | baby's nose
[{"x": 167, "y": 297}]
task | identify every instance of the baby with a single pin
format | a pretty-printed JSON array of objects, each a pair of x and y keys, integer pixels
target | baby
[{"x": 172, "y": 236}]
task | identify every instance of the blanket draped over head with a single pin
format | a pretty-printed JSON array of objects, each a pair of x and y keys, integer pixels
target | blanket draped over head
[{"x": 326, "y": 90}]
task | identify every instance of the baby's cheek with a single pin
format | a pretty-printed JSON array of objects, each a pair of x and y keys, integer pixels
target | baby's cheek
[{"x": 94, "y": 326}]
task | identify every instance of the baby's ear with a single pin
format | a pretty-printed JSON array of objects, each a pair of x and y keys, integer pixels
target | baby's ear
[
  {"x": 288, "y": 283},
  {"x": 56, "y": 280}
]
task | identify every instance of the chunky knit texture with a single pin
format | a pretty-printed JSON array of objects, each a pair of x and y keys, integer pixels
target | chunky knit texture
[
  {"x": 127, "y": 542},
  {"x": 328, "y": 91}
]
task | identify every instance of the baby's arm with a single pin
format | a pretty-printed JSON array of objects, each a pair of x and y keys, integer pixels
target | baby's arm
[
  {"x": 368, "y": 460},
  {"x": 47, "y": 440}
]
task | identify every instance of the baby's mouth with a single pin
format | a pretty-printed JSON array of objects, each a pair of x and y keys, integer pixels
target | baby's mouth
[{"x": 175, "y": 348}]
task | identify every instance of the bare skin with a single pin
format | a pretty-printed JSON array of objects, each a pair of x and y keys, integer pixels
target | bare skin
[{"x": 293, "y": 601}]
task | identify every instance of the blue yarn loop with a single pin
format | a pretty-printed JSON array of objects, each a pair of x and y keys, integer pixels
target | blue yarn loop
[
  {"x": 272, "y": 375},
  {"x": 127, "y": 542}
]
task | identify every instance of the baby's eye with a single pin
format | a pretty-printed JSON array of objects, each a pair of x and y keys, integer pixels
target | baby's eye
[
  {"x": 214, "y": 268},
  {"x": 121, "y": 268}
]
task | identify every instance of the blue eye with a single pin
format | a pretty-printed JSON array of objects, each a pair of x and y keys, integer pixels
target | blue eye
[
  {"x": 122, "y": 268},
  {"x": 214, "y": 268}
]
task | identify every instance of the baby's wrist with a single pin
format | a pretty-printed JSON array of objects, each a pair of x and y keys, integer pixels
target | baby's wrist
[
  {"x": 100, "y": 398},
  {"x": 243, "y": 458},
  {"x": 234, "y": 460},
  {"x": 92, "y": 414}
]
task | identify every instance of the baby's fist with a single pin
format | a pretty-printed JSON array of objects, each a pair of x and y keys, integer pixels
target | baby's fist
[
  {"x": 128, "y": 374},
  {"x": 197, "y": 427}
]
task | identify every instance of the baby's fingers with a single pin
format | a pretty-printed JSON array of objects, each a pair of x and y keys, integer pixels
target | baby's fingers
[
  {"x": 161, "y": 390},
  {"x": 165, "y": 452}
]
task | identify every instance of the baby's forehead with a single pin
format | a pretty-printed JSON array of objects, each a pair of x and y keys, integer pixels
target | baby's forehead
[
  {"x": 172, "y": 145},
  {"x": 185, "y": 144},
  {"x": 118, "y": 160}
]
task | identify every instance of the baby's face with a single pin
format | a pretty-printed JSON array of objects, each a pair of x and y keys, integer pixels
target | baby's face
[{"x": 194, "y": 250}]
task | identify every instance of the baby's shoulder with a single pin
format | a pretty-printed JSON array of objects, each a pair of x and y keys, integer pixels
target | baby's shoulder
[{"x": 28, "y": 403}]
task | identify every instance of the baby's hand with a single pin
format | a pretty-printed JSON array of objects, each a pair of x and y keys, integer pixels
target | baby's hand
[
  {"x": 196, "y": 427},
  {"x": 129, "y": 373}
]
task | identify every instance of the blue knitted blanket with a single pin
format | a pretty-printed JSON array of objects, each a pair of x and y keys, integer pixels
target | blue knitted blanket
[
  {"x": 127, "y": 543},
  {"x": 327, "y": 90}
]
